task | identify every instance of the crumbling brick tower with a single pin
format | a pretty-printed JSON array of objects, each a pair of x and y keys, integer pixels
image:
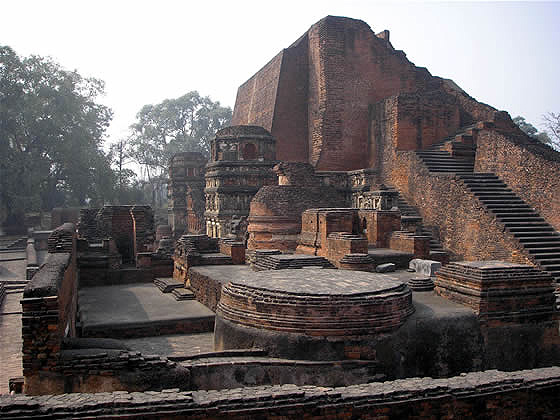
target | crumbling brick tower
[
  {"x": 241, "y": 163},
  {"x": 343, "y": 99},
  {"x": 316, "y": 97},
  {"x": 186, "y": 193}
]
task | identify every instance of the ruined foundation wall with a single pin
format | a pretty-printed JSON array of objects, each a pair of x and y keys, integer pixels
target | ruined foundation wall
[
  {"x": 49, "y": 308},
  {"x": 531, "y": 169},
  {"x": 496, "y": 395}
]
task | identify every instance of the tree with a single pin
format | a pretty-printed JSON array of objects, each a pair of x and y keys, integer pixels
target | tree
[
  {"x": 51, "y": 133},
  {"x": 552, "y": 124},
  {"x": 185, "y": 124},
  {"x": 531, "y": 131},
  {"x": 125, "y": 177}
]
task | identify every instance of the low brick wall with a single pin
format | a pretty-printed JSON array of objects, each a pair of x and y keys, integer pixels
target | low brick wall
[
  {"x": 206, "y": 289},
  {"x": 49, "y": 309},
  {"x": 528, "y": 394}
]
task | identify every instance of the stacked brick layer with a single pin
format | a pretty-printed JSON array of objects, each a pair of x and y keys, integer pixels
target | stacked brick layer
[
  {"x": 320, "y": 303},
  {"x": 498, "y": 290},
  {"x": 480, "y": 395}
]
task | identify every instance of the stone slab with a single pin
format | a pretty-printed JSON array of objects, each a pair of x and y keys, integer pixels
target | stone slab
[
  {"x": 141, "y": 307},
  {"x": 425, "y": 267}
]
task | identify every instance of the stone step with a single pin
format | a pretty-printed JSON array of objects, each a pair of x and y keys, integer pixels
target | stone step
[
  {"x": 531, "y": 234},
  {"x": 529, "y": 218},
  {"x": 547, "y": 255},
  {"x": 484, "y": 183},
  {"x": 491, "y": 202},
  {"x": 536, "y": 241},
  {"x": 525, "y": 224},
  {"x": 551, "y": 267},
  {"x": 182, "y": 293},
  {"x": 167, "y": 284},
  {"x": 552, "y": 261},
  {"x": 509, "y": 207},
  {"x": 447, "y": 171},
  {"x": 543, "y": 250},
  {"x": 487, "y": 188},
  {"x": 526, "y": 229},
  {"x": 434, "y": 161},
  {"x": 515, "y": 212},
  {"x": 481, "y": 177},
  {"x": 495, "y": 195}
]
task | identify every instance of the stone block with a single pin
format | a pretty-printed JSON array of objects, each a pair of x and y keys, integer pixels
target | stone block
[
  {"x": 425, "y": 267},
  {"x": 385, "y": 268}
]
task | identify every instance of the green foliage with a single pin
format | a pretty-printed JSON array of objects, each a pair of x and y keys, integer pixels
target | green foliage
[
  {"x": 185, "y": 124},
  {"x": 531, "y": 131},
  {"x": 51, "y": 131}
]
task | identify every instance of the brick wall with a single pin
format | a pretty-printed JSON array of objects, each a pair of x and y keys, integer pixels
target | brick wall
[
  {"x": 49, "y": 308},
  {"x": 531, "y": 169},
  {"x": 326, "y": 82},
  {"x": 255, "y": 100},
  {"x": 289, "y": 125},
  {"x": 445, "y": 204},
  {"x": 275, "y": 216},
  {"x": 522, "y": 395}
]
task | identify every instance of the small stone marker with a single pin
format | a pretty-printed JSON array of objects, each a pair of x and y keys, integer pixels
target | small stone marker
[
  {"x": 385, "y": 268},
  {"x": 425, "y": 267},
  {"x": 421, "y": 284}
]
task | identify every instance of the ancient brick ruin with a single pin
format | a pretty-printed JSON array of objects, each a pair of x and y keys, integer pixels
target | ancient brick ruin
[
  {"x": 186, "y": 193},
  {"x": 361, "y": 228}
]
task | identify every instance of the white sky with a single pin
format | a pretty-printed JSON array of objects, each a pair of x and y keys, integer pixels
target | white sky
[{"x": 502, "y": 53}]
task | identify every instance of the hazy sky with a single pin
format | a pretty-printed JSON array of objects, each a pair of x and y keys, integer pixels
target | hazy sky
[{"x": 501, "y": 53}]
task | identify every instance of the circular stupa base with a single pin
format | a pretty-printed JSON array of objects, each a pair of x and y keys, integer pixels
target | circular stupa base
[{"x": 320, "y": 310}]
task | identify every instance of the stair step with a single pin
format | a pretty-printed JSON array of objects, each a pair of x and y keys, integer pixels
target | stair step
[
  {"x": 535, "y": 241},
  {"x": 481, "y": 176},
  {"x": 494, "y": 187},
  {"x": 525, "y": 224},
  {"x": 509, "y": 206},
  {"x": 551, "y": 267},
  {"x": 509, "y": 219},
  {"x": 542, "y": 250},
  {"x": 525, "y": 229},
  {"x": 495, "y": 195},
  {"x": 553, "y": 261},
  {"x": 506, "y": 202},
  {"x": 515, "y": 212},
  {"x": 531, "y": 234},
  {"x": 549, "y": 255}
]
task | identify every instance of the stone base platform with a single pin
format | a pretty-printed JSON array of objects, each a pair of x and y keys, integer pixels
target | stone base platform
[
  {"x": 499, "y": 291},
  {"x": 440, "y": 338},
  {"x": 167, "y": 284},
  {"x": 288, "y": 261},
  {"x": 330, "y": 303},
  {"x": 182, "y": 293},
  {"x": 139, "y": 310}
]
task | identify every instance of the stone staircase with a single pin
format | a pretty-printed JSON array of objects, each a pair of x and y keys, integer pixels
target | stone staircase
[
  {"x": 11, "y": 243},
  {"x": 537, "y": 237},
  {"x": 442, "y": 161}
]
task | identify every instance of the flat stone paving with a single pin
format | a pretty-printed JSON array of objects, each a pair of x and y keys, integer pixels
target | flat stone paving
[
  {"x": 173, "y": 345},
  {"x": 133, "y": 304},
  {"x": 10, "y": 341},
  {"x": 10, "y": 325}
]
